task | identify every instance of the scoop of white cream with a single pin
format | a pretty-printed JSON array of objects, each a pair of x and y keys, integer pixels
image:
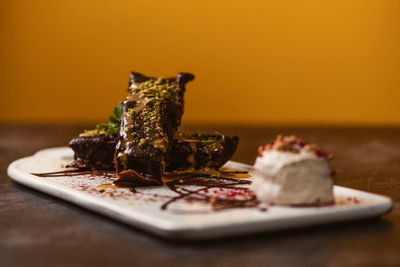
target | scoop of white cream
[{"x": 287, "y": 178}]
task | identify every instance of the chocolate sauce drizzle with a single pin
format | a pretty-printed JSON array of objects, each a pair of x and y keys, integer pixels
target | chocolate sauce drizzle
[
  {"x": 228, "y": 192},
  {"x": 76, "y": 172},
  {"x": 219, "y": 201}
]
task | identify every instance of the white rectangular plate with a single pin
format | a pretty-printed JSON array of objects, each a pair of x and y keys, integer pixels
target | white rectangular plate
[{"x": 184, "y": 220}]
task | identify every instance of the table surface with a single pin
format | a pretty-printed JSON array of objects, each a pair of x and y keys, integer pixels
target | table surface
[{"x": 40, "y": 230}]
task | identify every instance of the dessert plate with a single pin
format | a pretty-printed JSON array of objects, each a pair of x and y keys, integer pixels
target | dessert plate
[{"x": 183, "y": 219}]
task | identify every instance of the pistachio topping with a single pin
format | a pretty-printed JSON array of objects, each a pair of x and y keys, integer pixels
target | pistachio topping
[
  {"x": 95, "y": 132},
  {"x": 208, "y": 141},
  {"x": 143, "y": 120}
]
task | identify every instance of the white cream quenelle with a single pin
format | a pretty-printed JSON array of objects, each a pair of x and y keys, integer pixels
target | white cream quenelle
[{"x": 289, "y": 171}]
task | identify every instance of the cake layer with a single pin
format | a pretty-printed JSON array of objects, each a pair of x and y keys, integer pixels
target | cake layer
[
  {"x": 188, "y": 151},
  {"x": 93, "y": 152}
]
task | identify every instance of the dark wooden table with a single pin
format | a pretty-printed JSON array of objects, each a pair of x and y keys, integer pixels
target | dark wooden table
[{"x": 40, "y": 230}]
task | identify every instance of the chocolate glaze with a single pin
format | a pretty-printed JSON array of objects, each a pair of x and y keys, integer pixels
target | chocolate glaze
[{"x": 146, "y": 159}]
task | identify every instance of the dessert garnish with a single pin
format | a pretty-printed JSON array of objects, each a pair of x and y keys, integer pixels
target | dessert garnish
[
  {"x": 292, "y": 144},
  {"x": 110, "y": 128},
  {"x": 142, "y": 143},
  {"x": 289, "y": 171},
  {"x": 142, "y": 146}
]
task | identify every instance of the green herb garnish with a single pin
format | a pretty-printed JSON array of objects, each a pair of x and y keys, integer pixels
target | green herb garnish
[{"x": 111, "y": 127}]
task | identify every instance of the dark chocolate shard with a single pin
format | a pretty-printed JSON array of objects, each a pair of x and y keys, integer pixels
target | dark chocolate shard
[
  {"x": 132, "y": 178},
  {"x": 136, "y": 77},
  {"x": 182, "y": 78}
]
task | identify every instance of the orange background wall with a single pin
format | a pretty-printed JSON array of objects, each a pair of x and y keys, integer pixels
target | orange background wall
[{"x": 276, "y": 62}]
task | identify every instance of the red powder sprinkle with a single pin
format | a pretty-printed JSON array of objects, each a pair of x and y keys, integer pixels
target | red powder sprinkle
[
  {"x": 320, "y": 154},
  {"x": 205, "y": 190},
  {"x": 302, "y": 143},
  {"x": 271, "y": 144}
]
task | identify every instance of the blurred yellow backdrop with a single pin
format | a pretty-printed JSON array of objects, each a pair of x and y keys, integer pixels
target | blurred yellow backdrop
[{"x": 277, "y": 62}]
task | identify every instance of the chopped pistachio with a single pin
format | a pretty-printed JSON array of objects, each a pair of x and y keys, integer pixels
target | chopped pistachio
[
  {"x": 107, "y": 128},
  {"x": 131, "y": 111},
  {"x": 209, "y": 141},
  {"x": 142, "y": 142},
  {"x": 90, "y": 133}
]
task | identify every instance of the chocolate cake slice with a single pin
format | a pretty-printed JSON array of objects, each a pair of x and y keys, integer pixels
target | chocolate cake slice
[
  {"x": 140, "y": 135},
  {"x": 151, "y": 115},
  {"x": 94, "y": 152},
  {"x": 198, "y": 151},
  {"x": 94, "y": 149},
  {"x": 189, "y": 151}
]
